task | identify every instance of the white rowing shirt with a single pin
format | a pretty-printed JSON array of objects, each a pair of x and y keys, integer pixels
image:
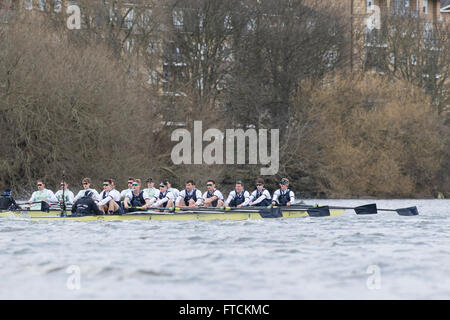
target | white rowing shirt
[
  {"x": 216, "y": 193},
  {"x": 232, "y": 195},
  {"x": 105, "y": 197},
  {"x": 157, "y": 201},
  {"x": 175, "y": 192},
  {"x": 42, "y": 195},
  {"x": 83, "y": 192},
  {"x": 129, "y": 195},
  {"x": 124, "y": 193},
  {"x": 183, "y": 194},
  {"x": 265, "y": 195},
  {"x": 279, "y": 192},
  {"x": 67, "y": 194}
]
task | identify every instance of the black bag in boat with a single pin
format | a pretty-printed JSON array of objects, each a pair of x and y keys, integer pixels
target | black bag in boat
[
  {"x": 45, "y": 207},
  {"x": 7, "y": 203},
  {"x": 271, "y": 212}
]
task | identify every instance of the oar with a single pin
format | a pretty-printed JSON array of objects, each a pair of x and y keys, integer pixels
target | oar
[
  {"x": 265, "y": 212},
  {"x": 45, "y": 206},
  {"x": 53, "y": 206},
  {"x": 225, "y": 208},
  {"x": 142, "y": 208},
  {"x": 313, "y": 211},
  {"x": 29, "y": 210},
  {"x": 170, "y": 210},
  {"x": 372, "y": 209},
  {"x": 200, "y": 208},
  {"x": 410, "y": 211},
  {"x": 323, "y": 211},
  {"x": 218, "y": 209},
  {"x": 35, "y": 202}
]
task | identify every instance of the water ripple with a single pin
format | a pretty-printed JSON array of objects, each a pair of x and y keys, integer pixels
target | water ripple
[{"x": 304, "y": 258}]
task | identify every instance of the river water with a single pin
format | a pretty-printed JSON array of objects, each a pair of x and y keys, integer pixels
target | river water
[{"x": 383, "y": 256}]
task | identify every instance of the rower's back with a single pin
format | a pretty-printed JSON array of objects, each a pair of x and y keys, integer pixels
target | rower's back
[{"x": 7, "y": 202}]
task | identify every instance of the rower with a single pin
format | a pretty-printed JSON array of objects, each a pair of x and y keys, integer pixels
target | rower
[
  {"x": 238, "y": 197},
  {"x": 110, "y": 198},
  {"x": 7, "y": 201},
  {"x": 136, "y": 198},
  {"x": 163, "y": 197},
  {"x": 42, "y": 198},
  {"x": 113, "y": 184},
  {"x": 212, "y": 197},
  {"x": 68, "y": 195},
  {"x": 174, "y": 191},
  {"x": 126, "y": 191},
  {"x": 150, "y": 188},
  {"x": 191, "y": 197},
  {"x": 261, "y": 196},
  {"x": 86, "y": 186},
  {"x": 283, "y": 196},
  {"x": 86, "y": 206}
]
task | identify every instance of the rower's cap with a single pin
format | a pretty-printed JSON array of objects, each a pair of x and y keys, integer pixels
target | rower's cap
[
  {"x": 164, "y": 183},
  {"x": 88, "y": 193},
  {"x": 239, "y": 182},
  {"x": 284, "y": 181},
  {"x": 8, "y": 191},
  {"x": 149, "y": 180}
]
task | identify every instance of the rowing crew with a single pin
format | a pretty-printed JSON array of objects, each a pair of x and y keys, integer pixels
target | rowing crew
[
  {"x": 191, "y": 197},
  {"x": 111, "y": 201}
]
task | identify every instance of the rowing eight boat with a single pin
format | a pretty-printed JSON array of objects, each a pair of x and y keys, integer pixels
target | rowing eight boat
[{"x": 183, "y": 215}]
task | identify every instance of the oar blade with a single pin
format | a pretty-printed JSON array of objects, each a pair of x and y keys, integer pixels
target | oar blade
[
  {"x": 271, "y": 212},
  {"x": 319, "y": 211},
  {"x": 367, "y": 209},
  {"x": 411, "y": 211}
]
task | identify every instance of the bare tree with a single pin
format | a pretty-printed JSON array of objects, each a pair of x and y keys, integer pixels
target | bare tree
[
  {"x": 413, "y": 49},
  {"x": 285, "y": 42}
]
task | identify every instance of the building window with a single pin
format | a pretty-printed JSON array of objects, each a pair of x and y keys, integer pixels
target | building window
[
  {"x": 153, "y": 77},
  {"x": 28, "y": 4},
  {"x": 201, "y": 20},
  {"x": 251, "y": 25},
  {"x": 178, "y": 17},
  {"x": 42, "y": 4},
  {"x": 147, "y": 17},
  {"x": 57, "y": 5},
  {"x": 401, "y": 6},
  {"x": 425, "y": 6},
  {"x": 228, "y": 23},
  {"x": 129, "y": 19},
  {"x": 153, "y": 46}
]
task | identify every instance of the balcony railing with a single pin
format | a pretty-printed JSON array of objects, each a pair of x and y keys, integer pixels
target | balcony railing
[{"x": 403, "y": 8}]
